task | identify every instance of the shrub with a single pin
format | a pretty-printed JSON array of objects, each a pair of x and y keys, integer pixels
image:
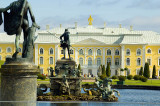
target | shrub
[
  {"x": 136, "y": 77},
  {"x": 102, "y": 77},
  {"x": 41, "y": 76},
  {"x": 154, "y": 72},
  {"x": 114, "y": 77},
  {"x": 122, "y": 78},
  {"x": 146, "y": 70},
  {"x": 108, "y": 71},
  {"x": 129, "y": 77},
  {"x": 143, "y": 79}
]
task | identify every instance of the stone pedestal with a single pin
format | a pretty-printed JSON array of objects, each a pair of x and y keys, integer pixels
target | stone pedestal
[{"x": 19, "y": 83}]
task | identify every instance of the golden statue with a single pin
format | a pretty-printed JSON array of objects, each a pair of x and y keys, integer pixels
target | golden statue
[{"x": 90, "y": 20}]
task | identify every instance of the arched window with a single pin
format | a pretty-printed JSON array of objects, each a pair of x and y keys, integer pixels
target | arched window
[
  {"x": 149, "y": 51},
  {"x": 117, "y": 61},
  {"x": 71, "y": 51},
  {"x": 128, "y": 61},
  {"x": 51, "y": 51},
  {"x": 41, "y": 60},
  {"x": 109, "y": 61},
  {"x": 81, "y": 61},
  {"x": 51, "y": 60},
  {"x": 81, "y": 52},
  {"x": 9, "y": 50},
  {"x": 138, "y": 62},
  {"x": 138, "y": 52},
  {"x": 41, "y": 51},
  {"x": 98, "y": 52},
  {"x": 98, "y": 61},
  {"x": 108, "y": 52},
  {"x": 117, "y": 52},
  {"x": 89, "y": 61},
  {"x": 128, "y": 52},
  {"x": 90, "y": 52}
]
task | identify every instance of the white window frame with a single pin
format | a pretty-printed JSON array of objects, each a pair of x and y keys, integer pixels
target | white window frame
[
  {"x": 40, "y": 50},
  {"x": 150, "y": 59},
  {"x": 158, "y": 61},
  {"x": 40, "y": 60},
  {"x": 80, "y": 52},
  {"x": 118, "y": 52},
  {"x": 150, "y": 50},
  {"x": 137, "y": 62},
  {"x": 42, "y": 70},
  {"x": 110, "y": 60},
  {"x": 129, "y": 71},
  {"x": 7, "y": 50},
  {"x": 100, "y": 52},
  {"x": 91, "y": 52},
  {"x": 50, "y": 50},
  {"x": 137, "y": 52},
  {"x": 117, "y": 61},
  {"x": 50, "y": 61},
  {"x": 91, "y": 61},
  {"x": 129, "y": 62},
  {"x": 82, "y": 61},
  {"x": 129, "y": 52},
  {"x": 99, "y": 60},
  {"x": 109, "y": 54},
  {"x": 137, "y": 71}
]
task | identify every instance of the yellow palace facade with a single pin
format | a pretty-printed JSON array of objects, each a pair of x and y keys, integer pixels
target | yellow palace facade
[{"x": 92, "y": 47}]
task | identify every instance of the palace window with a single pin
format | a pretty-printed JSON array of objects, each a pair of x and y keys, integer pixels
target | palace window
[
  {"x": 159, "y": 61},
  {"x": 137, "y": 72},
  {"x": 117, "y": 61},
  {"x": 81, "y": 61},
  {"x": 90, "y": 52},
  {"x": 117, "y": 52},
  {"x": 20, "y": 50},
  {"x": 41, "y": 51},
  {"x": 149, "y": 61},
  {"x": 128, "y": 52},
  {"x": 159, "y": 51},
  {"x": 98, "y": 52},
  {"x": 138, "y": 62},
  {"x": 71, "y": 51},
  {"x": 51, "y": 60},
  {"x": 108, "y": 52},
  {"x": 159, "y": 73},
  {"x": 9, "y": 50},
  {"x": 128, "y": 61},
  {"x": 128, "y": 72},
  {"x": 41, "y": 60},
  {"x": 51, "y": 51},
  {"x": 89, "y": 72},
  {"x": 149, "y": 51},
  {"x": 109, "y": 61},
  {"x": 98, "y": 61},
  {"x": 138, "y": 52},
  {"x": 81, "y": 52},
  {"x": 0, "y": 50},
  {"x": 89, "y": 61},
  {"x": 41, "y": 71},
  {"x": 62, "y": 51}
]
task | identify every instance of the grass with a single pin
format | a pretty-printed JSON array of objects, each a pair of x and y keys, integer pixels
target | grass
[{"x": 46, "y": 81}]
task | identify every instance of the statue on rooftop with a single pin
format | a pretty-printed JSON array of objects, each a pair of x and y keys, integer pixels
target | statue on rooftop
[
  {"x": 65, "y": 42},
  {"x": 17, "y": 20}
]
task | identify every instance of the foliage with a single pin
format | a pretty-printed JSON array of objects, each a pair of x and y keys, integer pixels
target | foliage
[
  {"x": 154, "y": 72},
  {"x": 141, "y": 71},
  {"x": 146, "y": 70},
  {"x": 122, "y": 78},
  {"x": 129, "y": 77},
  {"x": 1, "y": 63},
  {"x": 136, "y": 77},
  {"x": 108, "y": 71},
  {"x": 126, "y": 68},
  {"x": 122, "y": 69},
  {"x": 143, "y": 79},
  {"x": 41, "y": 76},
  {"x": 102, "y": 77},
  {"x": 99, "y": 71},
  {"x": 114, "y": 77}
]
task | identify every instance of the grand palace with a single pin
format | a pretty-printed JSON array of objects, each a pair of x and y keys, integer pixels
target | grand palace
[{"x": 92, "y": 47}]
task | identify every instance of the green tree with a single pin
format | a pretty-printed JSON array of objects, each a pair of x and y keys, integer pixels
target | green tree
[
  {"x": 141, "y": 71},
  {"x": 146, "y": 70},
  {"x": 79, "y": 68},
  {"x": 1, "y": 63},
  {"x": 108, "y": 70},
  {"x": 154, "y": 72},
  {"x": 103, "y": 76}
]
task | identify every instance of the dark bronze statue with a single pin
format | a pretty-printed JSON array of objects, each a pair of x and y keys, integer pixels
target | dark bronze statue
[
  {"x": 17, "y": 20},
  {"x": 65, "y": 42}
]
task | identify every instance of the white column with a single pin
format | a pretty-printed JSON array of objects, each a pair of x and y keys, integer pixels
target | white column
[
  {"x": 122, "y": 58},
  {"x": 56, "y": 53},
  {"x": 112, "y": 53},
  {"x": 76, "y": 55},
  {"x": 144, "y": 55},
  {"x": 104, "y": 56},
  {"x": 36, "y": 54},
  {"x": 94, "y": 55},
  {"x": 85, "y": 56}
]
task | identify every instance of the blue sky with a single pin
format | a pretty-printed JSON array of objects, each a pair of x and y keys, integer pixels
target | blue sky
[{"x": 142, "y": 14}]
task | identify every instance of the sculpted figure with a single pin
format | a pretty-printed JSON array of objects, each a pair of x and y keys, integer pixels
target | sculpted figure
[
  {"x": 17, "y": 20},
  {"x": 65, "y": 42}
]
